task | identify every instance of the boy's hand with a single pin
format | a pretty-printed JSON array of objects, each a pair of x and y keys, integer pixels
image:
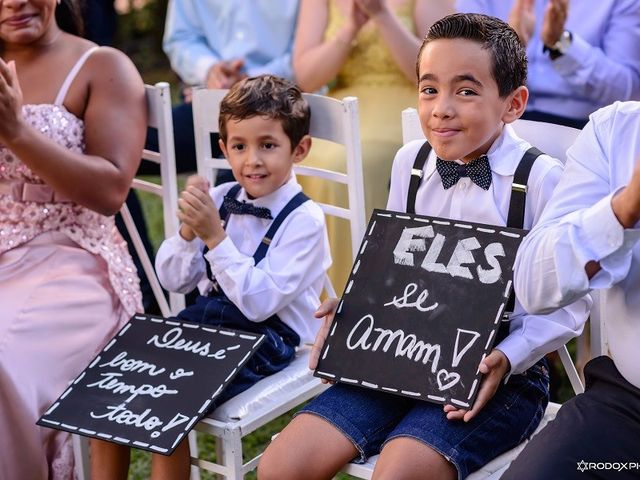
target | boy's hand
[
  {"x": 555, "y": 17},
  {"x": 494, "y": 367},
  {"x": 326, "y": 311},
  {"x": 522, "y": 19},
  {"x": 198, "y": 212},
  {"x": 201, "y": 183},
  {"x": 197, "y": 181}
]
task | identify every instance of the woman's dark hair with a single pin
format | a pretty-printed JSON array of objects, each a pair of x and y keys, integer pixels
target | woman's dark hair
[
  {"x": 69, "y": 17},
  {"x": 508, "y": 55}
]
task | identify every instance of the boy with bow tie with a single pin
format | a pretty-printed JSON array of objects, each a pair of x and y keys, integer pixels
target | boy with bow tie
[
  {"x": 257, "y": 249},
  {"x": 472, "y": 71}
]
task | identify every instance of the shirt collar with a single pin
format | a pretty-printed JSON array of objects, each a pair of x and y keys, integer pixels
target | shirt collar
[{"x": 501, "y": 154}]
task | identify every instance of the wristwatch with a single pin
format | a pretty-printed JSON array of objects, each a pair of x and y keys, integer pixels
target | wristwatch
[{"x": 560, "y": 47}]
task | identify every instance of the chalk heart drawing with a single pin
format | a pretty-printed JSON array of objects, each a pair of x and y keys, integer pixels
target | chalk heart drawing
[{"x": 446, "y": 379}]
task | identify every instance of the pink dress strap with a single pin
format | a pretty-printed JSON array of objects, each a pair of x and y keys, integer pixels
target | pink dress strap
[{"x": 72, "y": 75}]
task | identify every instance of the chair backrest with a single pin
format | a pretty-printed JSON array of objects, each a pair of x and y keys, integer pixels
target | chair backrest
[
  {"x": 331, "y": 119},
  {"x": 552, "y": 139},
  {"x": 159, "y": 117}
]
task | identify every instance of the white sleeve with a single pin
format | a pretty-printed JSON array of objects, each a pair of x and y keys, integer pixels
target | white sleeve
[
  {"x": 578, "y": 226},
  {"x": 179, "y": 264},
  {"x": 185, "y": 43},
  {"x": 533, "y": 336}
]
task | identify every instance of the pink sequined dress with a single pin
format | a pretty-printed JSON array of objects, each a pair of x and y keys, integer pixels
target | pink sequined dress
[{"x": 67, "y": 283}]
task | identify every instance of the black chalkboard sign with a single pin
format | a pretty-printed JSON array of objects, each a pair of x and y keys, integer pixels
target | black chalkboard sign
[
  {"x": 151, "y": 383},
  {"x": 422, "y": 307}
]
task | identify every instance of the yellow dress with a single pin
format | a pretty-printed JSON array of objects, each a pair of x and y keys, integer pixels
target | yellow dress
[{"x": 370, "y": 74}]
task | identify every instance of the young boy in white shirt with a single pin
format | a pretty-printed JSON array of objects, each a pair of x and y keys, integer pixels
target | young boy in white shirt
[
  {"x": 257, "y": 249},
  {"x": 472, "y": 74}
]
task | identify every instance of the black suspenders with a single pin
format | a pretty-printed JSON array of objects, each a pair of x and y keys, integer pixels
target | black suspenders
[
  {"x": 416, "y": 176},
  {"x": 261, "y": 251},
  {"x": 515, "y": 217}
]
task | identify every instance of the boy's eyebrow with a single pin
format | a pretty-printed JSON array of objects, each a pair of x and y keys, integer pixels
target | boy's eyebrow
[
  {"x": 465, "y": 77},
  {"x": 240, "y": 138}
]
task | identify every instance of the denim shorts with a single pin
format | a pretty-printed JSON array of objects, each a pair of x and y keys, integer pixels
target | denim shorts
[{"x": 370, "y": 418}]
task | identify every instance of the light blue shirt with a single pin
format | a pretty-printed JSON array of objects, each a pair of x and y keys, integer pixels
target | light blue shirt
[
  {"x": 579, "y": 225},
  {"x": 201, "y": 33},
  {"x": 601, "y": 66}
]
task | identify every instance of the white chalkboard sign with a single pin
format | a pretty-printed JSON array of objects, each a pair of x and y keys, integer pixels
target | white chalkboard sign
[
  {"x": 422, "y": 307},
  {"x": 151, "y": 383}
]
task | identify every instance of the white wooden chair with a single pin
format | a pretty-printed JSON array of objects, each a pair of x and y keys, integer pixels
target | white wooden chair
[
  {"x": 332, "y": 120},
  {"x": 159, "y": 117},
  {"x": 553, "y": 140}
]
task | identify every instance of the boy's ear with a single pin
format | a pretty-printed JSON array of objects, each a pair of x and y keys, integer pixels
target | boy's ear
[
  {"x": 223, "y": 147},
  {"x": 301, "y": 150},
  {"x": 517, "y": 102}
]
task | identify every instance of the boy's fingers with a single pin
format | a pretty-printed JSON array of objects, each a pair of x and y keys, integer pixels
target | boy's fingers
[
  {"x": 329, "y": 306},
  {"x": 321, "y": 337},
  {"x": 456, "y": 415}
]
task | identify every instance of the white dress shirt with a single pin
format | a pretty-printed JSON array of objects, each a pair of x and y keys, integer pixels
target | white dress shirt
[
  {"x": 530, "y": 336},
  {"x": 200, "y": 33},
  {"x": 579, "y": 225},
  {"x": 287, "y": 282},
  {"x": 601, "y": 66}
]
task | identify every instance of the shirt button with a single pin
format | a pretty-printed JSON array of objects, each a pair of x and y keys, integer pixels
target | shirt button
[
  {"x": 240, "y": 35},
  {"x": 462, "y": 185}
]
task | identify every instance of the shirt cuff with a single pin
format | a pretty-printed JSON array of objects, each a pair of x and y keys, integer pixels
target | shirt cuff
[
  {"x": 574, "y": 58},
  {"x": 515, "y": 349},
  {"x": 223, "y": 255},
  {"x": 602, "y": 232},
  {"x": 201, "y": 70}
]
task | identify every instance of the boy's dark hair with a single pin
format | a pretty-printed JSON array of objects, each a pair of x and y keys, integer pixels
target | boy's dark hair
[
  {"x": 268, "y": 96},
  {"x": 509, "y": 57}
]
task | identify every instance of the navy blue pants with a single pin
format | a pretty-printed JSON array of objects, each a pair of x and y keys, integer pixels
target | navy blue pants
[
  {"x": 596, "y": 435},
  {"x": 276, "y": 352}
]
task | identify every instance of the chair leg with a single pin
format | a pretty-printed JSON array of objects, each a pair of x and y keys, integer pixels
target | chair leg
[
  {"x": 193, "y": 449},
  {"x": 229, "y": 449},
  {"x": 81, "y": 457}
]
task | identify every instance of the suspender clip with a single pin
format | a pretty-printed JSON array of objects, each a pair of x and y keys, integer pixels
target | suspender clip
[
  {"x": 266, "y": 241},
  {"x": 519, "y": 187},
  {"x": 416, "y": 172}
]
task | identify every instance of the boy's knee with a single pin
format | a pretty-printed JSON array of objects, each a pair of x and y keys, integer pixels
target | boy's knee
[
  {"x": 272, "y": 467},
  {"x": 280, "y": 464}
]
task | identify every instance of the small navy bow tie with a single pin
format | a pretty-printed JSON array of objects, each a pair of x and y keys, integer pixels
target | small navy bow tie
[
  {"x": 235, "y": 207},
  {"x": 477, "y": 170}
]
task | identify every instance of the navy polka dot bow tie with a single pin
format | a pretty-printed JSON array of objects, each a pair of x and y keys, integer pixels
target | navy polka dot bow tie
[
  {"x": 235, "y": 207},
  {"x": 477, "y": 170}
]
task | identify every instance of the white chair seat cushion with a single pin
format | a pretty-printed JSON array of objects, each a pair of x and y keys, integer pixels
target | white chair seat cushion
[
  {"x": 273, "y": 390},
  {"x": 491, "y": 470}
]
